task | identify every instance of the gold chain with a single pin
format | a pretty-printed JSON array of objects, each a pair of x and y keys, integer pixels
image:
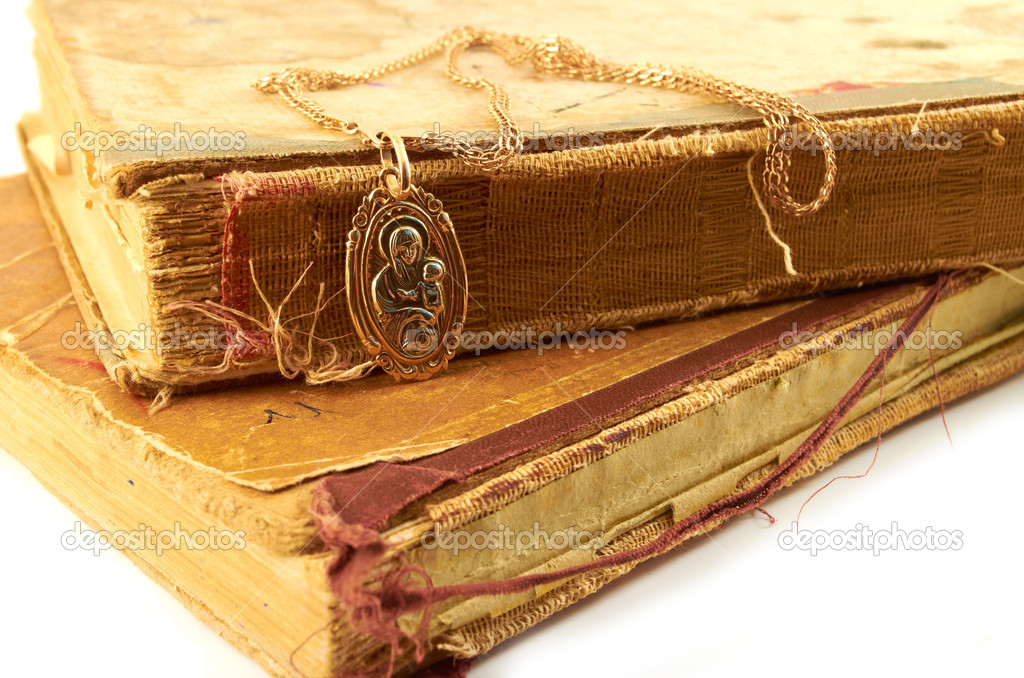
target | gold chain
[{"x": 558, "y": 56}]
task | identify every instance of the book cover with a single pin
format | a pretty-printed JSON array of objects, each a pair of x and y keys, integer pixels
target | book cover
[
  {"x": 659, "y": 218},
  {"x": 336, "y": 498}
]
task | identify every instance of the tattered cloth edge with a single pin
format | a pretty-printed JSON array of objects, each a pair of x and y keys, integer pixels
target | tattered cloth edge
[
  {"x": 996, "y": 364},
  {"x": 373, "y": 601}
]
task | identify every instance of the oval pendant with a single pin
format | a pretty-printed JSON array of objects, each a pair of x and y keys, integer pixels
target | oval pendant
[{"x": 406, "y": 282}]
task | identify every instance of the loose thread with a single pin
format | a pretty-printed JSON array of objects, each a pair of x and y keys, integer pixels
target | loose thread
[
  {"x": 770, "y": 517},
  {"x": 994, "y": 137},
  {"x": 161, "y": 400},
  {"x": 878, "y": 448},
  {"x": 651, "y": 132},
  {"x": 297, "y": 352},
  {"x": 787, "y": 252},
  {"x": 1002, "y": 272},
  {"x": 917, "y": 120}
]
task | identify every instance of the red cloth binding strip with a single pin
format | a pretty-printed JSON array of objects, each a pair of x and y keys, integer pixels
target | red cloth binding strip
[{"x": 372, "y": 495}]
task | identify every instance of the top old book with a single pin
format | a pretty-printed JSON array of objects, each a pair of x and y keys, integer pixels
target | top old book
[{"x": 195, "y": 202}]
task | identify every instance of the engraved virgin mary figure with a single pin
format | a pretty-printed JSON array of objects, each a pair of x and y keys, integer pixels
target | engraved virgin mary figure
[{"x": 407, "y": 292}]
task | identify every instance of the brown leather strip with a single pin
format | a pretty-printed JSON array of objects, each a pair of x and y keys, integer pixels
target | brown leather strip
[{"x": 372, "y": 495}]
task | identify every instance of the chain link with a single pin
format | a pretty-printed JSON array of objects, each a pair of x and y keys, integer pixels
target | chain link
[{"x": 558, "y": 56}]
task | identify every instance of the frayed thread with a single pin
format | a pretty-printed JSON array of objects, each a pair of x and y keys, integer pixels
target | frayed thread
[
  {"x": 1002, "y": 271},
  {"x": 372, "y": 598},
  {"x": 298, "y": 353},
  {"x": 787, "y": 252},
  {"x": 161, "y": 400}
]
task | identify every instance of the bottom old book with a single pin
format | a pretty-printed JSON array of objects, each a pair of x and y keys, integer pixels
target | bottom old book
[{"x": 377, "y": 527}]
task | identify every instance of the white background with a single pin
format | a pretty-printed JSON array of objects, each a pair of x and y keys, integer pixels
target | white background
[{"x": 732, "y": 604}]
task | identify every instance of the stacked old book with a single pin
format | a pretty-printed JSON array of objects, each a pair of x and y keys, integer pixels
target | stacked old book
[{"x": 186, "y": 206}]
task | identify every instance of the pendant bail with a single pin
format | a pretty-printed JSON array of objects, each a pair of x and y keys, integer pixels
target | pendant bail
[{"x": 396, "y": 175}]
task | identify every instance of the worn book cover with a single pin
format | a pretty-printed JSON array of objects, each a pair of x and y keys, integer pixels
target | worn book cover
[
  {"x": 352, "y": 511},
  {"x": 194, "y": 201}
]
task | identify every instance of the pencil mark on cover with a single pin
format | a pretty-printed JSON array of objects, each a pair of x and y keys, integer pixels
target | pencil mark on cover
[
  {"x": 315, "y": 410},
  {"x": 580, "y": 103},
  {"x": 271, "y": 414}
]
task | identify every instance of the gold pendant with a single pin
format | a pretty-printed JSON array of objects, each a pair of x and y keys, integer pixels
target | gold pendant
[{"x": 405, "y": 277}]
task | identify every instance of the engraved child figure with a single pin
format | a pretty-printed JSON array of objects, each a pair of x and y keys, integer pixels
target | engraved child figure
[{"x": 433, "y": 271}]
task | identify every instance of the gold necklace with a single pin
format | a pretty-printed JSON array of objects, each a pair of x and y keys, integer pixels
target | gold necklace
[{"x": 404, "y": 272}]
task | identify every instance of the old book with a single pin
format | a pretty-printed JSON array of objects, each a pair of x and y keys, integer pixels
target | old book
[
  {"x": 178, "y": 184},
  {"x": 632, "y": 446}
]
